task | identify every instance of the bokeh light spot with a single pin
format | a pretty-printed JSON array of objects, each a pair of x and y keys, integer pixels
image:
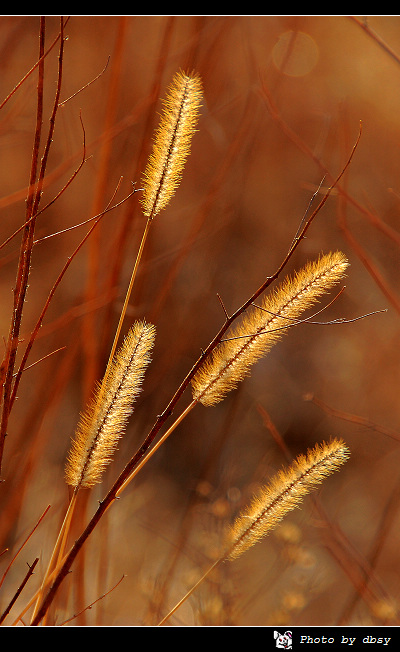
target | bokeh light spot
[{"x": 295, "y": 53}]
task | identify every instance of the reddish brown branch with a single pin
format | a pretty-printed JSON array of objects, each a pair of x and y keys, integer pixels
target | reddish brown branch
[
  {"x": 353, "y": 418},
  {"x": 25, "y": 256},
  {"x": 29, "y": 573},
  {"x": 57, "y": 282},
  {"x": 19, "y": 590},
  {"x": 94, "y": 602},
  {"x": 32, "y": 207},
  {"x": 38, "y": 63}
]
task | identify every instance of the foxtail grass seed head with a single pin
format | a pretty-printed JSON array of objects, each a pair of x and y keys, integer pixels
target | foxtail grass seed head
[
  {"x": 172, "y": 141},
  {"x": 283, "y": 494},
  {"x": 105, "y": 419},
  {"x": 261, "y": 327}
]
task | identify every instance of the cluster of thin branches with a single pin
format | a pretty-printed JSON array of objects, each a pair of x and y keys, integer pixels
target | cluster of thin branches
[{"x": 221, "y": 366}]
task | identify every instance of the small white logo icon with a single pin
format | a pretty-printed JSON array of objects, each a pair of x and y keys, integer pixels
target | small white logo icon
[{"x": 283, "y": 641}]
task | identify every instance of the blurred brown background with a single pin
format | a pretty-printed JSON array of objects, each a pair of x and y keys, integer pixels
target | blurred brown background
[{"x": 283, "y": 101}]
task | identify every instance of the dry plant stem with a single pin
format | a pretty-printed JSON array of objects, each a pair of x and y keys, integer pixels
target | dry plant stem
[
  {"x": 353, "y": 418},
  {"x": 60, "y": 192},
  {"x": 191, "y": 591},
  {"x": 19, "y": 591},
  {"x": 55, "y": 286},
  {"x": 23, "y": 544},
  {"x": 91, "y": 605},
  {"x": 58, "y": 548},
  {"x": 126, "y": 301},
  {"x": 130, "y": 466},
  {"x": 38, "y": 63},
  {"x": 25, "y": 256},
  {"x": 32, "y": 205},
  {"x": 34, "y": 596},
  {"x": 363, "y": 24}
]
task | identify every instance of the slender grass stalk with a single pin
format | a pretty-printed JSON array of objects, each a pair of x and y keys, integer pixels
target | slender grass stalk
[
  {"x": 127, "y": 297},
  {"x": 262, "y": 326},
  {"x": 56, "y": 554},
  {"x": 163, "y": 172},
  {"x": 284, "y": 493}
]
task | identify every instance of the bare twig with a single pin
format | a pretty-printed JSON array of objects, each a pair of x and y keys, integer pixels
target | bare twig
[
  {"x": 24, "y": 543},
  {"x": 57, "y": 283},
  {"x": 38, "y": 63},
  {"x": 86, "y": 85},
  {"x": 93, "y": 603},
  {"x": 375, "y": 37},
  {"x": 19, "y": 590},
  {"x": 25, "y": 254}
]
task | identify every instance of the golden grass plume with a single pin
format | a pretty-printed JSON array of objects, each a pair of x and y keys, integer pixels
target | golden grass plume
[
  {"x": 283, "y": 493},
  {"x": 103, "y": 423},
  {"x": 262, "y": 326},
  {"x": 171, "y": 145}
]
